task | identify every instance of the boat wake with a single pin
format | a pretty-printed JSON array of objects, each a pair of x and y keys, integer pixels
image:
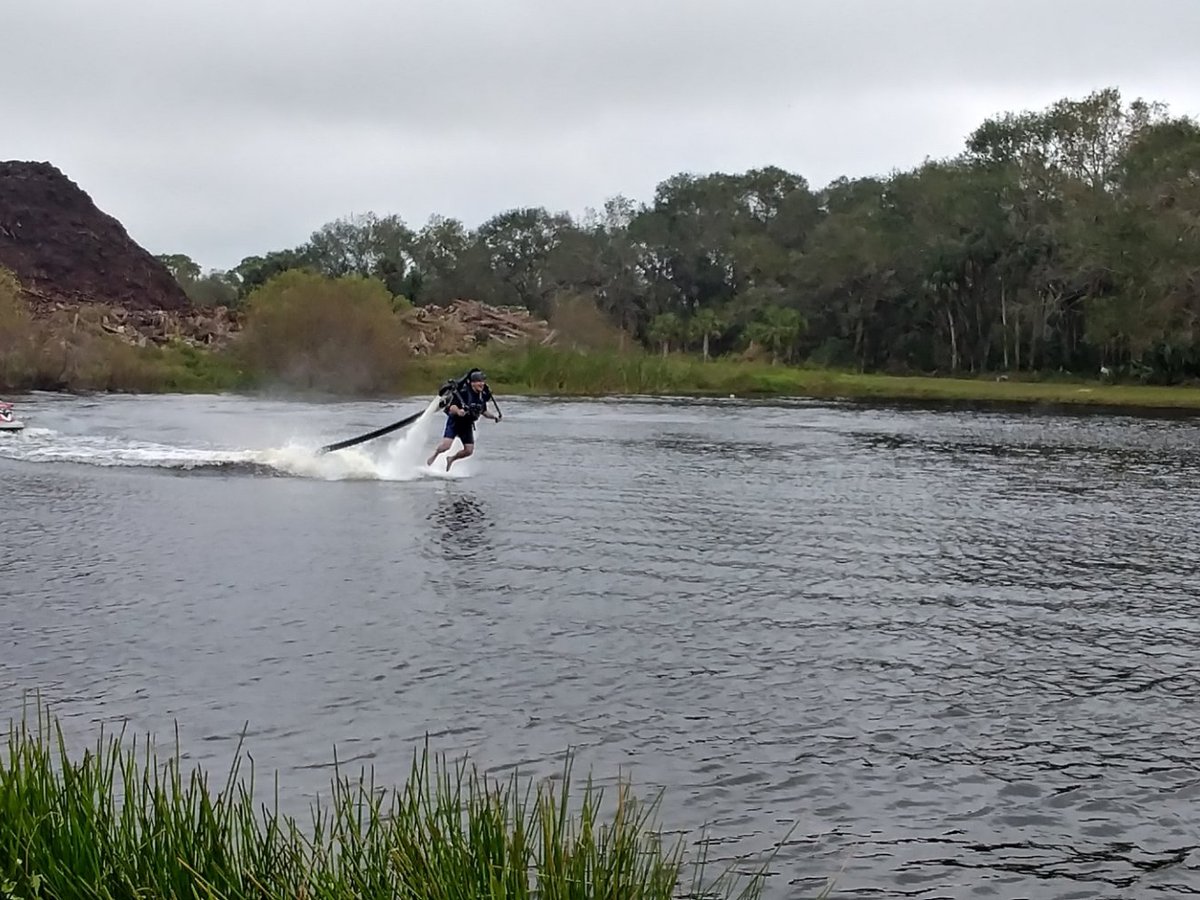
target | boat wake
[{"x": 396, "y": 457}]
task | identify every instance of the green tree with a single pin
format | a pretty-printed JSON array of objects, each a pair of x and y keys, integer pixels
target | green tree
[
  {"x": 518, "y": 244},
  {"x": 215, "y": 288},
  {"x": 703, "y": 325},
  {"x": 255, "y": 271},
  {"x": 666, "y": 329},
  {"x": 366, "y": 245},
  {"x": 778, "y": 329},
  {"x": 181, "y": 266},
  {"x": 848, "y": 277}
]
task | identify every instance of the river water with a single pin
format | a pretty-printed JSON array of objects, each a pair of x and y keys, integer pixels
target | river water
[{"x": 955, "y": 650}]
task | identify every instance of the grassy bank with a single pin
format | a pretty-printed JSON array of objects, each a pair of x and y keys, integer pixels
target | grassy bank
[
  {"x": 185, "y": 369},
  {"x": 555, "y": 372},
  {"x": 116, "y": 822},
  {"x": 549, "y": 372},
  {"x": 104, "y": 363}
]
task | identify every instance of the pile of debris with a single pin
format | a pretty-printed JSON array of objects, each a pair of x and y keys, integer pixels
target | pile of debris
[
  {"x": 458, "y": 327},
  {"x": 463, "y": 325},
  {"x": 212, "y": 328}
]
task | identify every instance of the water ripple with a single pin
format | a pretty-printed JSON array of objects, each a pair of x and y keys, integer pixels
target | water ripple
[{"x": 954, "y": 649}]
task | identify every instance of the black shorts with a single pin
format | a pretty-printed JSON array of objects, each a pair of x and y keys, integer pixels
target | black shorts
[{"x": 461, "y": 428}]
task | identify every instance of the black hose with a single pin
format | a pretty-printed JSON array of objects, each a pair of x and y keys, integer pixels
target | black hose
[{"x": 350, "y": 442}]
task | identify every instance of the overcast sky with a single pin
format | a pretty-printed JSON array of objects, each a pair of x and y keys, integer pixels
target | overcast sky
[{"x": 226, "y": 128}]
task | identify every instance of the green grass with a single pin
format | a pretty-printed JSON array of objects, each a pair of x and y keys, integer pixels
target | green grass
[
  {"x": 106, "y": 364},
  {"x": 183, "y": 368},
  {"x": 115, "y": 822},
  {"x": 554, "y": 372},
  {"x": 563, "y": 373}
]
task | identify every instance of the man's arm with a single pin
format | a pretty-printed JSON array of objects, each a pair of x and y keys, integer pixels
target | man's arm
[
  {"x": 499, "y": 415},
  {"x": 487, "y": 395},
  {"x": 457, "y": 405}
]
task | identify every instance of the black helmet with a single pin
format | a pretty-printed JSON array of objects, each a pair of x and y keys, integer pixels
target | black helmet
[{"x": 476, "y": 375}]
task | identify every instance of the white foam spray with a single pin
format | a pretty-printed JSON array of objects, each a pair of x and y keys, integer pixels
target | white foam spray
[
  {"x": 395, "y": 457},
  {"x": 399, "y": 456}
]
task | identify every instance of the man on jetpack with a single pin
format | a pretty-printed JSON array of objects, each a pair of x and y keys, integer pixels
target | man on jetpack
[{"x": 464, "y": 402}]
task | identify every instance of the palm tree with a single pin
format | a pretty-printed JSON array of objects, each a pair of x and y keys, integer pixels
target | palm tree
[
  {"x": 664, "y": 329},
  {"x": 705, "y": 324},
  {"x": 778, "y": 329}
]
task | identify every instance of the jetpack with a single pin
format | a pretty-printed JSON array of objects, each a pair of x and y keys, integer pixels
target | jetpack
[
  {"x": 457, "y": 387},
  {"x": 446, "y": 394}
]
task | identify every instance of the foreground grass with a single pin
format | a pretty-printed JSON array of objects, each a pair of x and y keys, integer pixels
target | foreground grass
[
  {"x": 113, "y": 823},
  {"x": 555, "y": 372}
]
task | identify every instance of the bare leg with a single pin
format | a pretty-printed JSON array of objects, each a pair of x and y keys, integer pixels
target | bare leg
[
  {"x": 439, "y": 450},
  {"x": 466, "y": 451}
]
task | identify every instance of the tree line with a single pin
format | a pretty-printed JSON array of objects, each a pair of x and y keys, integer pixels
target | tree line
[{"x": 1065, "y": 239}]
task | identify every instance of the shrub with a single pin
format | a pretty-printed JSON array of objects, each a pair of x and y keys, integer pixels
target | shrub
[
  {"x": 309, "y": 331},
  {"x": 16, "y": 333},
  {"x": 580, "y": 325}
]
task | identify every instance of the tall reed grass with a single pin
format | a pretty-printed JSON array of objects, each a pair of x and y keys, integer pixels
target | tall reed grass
[
  {"x": 115, "y": 822},
  {"x": 566, "y": 372},
  {"x": 556, "y": 372}
]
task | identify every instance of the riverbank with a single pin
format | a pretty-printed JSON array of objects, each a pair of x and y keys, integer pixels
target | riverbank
[
  {"x": 117, "y": 821},
  {"x": 543, "y": 371}
]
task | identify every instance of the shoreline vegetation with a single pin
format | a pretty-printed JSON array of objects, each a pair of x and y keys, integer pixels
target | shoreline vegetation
[
  {"x": 540, "y": 372},
  {"x": 118, "y": 821},
  {"x": 1053, "y": 261},
  {"x": 567, "y": 373},
  {"x": 310, "y": 335}
]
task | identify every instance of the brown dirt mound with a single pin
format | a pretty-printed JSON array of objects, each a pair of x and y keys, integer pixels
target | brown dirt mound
[{"x": 65, "y": 250}]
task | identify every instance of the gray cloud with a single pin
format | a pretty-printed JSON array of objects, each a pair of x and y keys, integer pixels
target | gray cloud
[{"x": 223, "y": 129}]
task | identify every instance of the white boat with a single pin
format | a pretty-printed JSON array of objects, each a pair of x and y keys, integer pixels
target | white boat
[{"x": 7, "y": 422}]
